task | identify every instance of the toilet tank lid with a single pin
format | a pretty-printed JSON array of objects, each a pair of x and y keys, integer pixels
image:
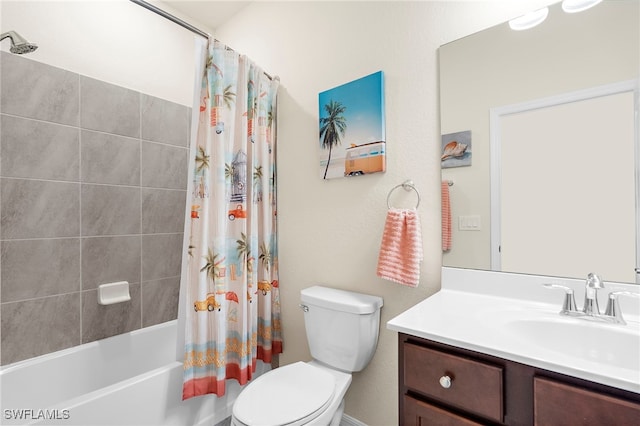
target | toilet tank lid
[{"x": 341, "y": 300}]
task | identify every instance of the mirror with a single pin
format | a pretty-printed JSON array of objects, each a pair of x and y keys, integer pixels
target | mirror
[{"x": 497, "y": 82}]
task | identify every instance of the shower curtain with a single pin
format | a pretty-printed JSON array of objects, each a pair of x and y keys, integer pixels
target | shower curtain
[{"x": 231, "y": 279}]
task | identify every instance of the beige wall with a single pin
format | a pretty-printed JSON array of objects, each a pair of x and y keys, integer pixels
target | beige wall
[{"x": 330, "y": 230}]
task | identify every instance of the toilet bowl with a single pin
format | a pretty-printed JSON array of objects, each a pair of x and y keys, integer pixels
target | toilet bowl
[
  {"x": 303, "y": 393},
  {"x": 342, "y": 332}
]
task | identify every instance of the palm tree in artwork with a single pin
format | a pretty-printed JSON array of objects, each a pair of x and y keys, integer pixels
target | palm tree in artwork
[{"x": 332, "y": 128}]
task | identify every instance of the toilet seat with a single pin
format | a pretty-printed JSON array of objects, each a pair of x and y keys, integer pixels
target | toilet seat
[{"x": 290, "y": 395}]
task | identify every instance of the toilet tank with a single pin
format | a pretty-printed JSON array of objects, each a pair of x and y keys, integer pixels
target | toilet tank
[{"x": 342, "y": 326}]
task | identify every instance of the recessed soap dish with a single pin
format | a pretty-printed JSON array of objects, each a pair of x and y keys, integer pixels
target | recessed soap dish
[{"x": 111, "y": 293}]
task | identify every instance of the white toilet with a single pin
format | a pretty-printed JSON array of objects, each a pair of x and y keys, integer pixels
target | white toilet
[{"x": 342, "y": 331}]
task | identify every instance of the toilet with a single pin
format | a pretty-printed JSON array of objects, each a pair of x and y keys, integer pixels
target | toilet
[{"x": 342, "y": 332}]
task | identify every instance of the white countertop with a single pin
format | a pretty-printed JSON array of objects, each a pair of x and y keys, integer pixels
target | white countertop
[{"x": 460, "y": 314}]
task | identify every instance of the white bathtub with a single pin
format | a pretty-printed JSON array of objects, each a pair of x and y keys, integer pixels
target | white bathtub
[{"x": 130, "y": 379}]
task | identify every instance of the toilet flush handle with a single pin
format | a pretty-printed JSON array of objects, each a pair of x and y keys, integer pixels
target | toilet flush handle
[{"x": 305, "y": 308}]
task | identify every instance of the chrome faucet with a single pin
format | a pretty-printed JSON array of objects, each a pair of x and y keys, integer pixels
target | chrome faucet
[
  {"x": 590, "y": 309},
  {"x": 593, "y": 284}
]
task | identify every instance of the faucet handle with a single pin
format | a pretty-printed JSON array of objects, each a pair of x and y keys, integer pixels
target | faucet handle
[
  {"x": 569, "y": 304},
  {"x": 613, "y": 307}
]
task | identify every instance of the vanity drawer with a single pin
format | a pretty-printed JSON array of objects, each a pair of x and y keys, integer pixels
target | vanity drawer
[
  {"x": 556, "y": 403},
  {"x": 417, "y": 413},
  {"x": 475, "y": 387}
]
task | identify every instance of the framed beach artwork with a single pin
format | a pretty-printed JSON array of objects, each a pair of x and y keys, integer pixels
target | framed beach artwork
[
  {"x": 456, "y": 149},
  {"x": 351, "y": 128}
]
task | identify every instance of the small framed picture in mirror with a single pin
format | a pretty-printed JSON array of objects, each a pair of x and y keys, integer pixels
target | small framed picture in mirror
[{"x": 456, "y": 149}]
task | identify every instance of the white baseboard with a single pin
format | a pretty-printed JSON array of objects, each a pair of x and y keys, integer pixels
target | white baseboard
[{"x": 350, "y": 421}]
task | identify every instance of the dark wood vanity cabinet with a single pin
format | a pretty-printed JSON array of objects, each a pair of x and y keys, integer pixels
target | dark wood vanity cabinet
[
  {"x": 449, "y": 386},
  {"x": 559, "y": 403}
]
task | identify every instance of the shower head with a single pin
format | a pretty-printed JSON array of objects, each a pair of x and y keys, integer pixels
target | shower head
[{"x": 18, "y": 44}]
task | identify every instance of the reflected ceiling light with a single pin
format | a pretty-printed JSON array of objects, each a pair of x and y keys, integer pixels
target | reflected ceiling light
[
  {"x": 575, "y": 6},
  {"x": 529, "y": 20}
]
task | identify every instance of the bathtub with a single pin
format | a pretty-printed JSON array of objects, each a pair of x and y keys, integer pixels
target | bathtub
[{"x": 130, "y": 379}]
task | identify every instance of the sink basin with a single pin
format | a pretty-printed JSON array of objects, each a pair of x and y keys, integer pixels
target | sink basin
[{"x": 610, "y": 344}]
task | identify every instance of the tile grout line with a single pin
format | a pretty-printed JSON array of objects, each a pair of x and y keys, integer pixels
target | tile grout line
[
  {"x": 88, "y": 237},
  {"x": 91, "y": 183},
  {"x": 102, "y": 132},
  {"x": 80, "y": 198},
  {"x": 140, "y": 182},
  {"x": 0, "y": 218},
  {"x": 48, "y": 296}
]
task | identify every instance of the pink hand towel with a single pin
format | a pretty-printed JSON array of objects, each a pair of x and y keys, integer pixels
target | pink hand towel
[
  {"x": 446, "y": 217},
  {"x": 401, "y": 248}
]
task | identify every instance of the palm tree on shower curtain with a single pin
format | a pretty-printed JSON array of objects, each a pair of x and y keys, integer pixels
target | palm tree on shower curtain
[
  {"x": 228, "y": 97},
  {"x": 265, "y": 256},
  {"x": 270, "y": 118},
  {"x": 257, "y": 183},
  {"x": 202, "y": 159},
  {"x": 332, "y": 128},
  {"x": 212, "y": 267},
  {"x": 228, "y": 171},
  {"x": 244, "y": 252}
]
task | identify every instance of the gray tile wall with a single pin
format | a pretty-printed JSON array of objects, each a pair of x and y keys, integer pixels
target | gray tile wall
[{"x": 93, "y": 182}]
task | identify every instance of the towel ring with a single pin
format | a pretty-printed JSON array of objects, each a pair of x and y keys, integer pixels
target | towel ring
[{"x": 407, "y": 186}]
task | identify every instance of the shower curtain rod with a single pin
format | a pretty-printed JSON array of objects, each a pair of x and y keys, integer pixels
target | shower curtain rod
[
  {"x": 172, "y": 18},
  {"x": 182, "y": 23}
]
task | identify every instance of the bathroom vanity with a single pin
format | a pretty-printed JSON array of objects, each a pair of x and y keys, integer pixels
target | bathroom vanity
[
  {"x": 465, "y": 358},
  {"x": 442, "y": 384}
]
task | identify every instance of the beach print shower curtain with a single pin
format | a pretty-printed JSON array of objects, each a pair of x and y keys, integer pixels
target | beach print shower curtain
[{"x": 232, "y": 289}]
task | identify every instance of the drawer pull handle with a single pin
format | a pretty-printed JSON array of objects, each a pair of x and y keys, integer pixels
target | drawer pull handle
[{"x": 445, "y": 382}]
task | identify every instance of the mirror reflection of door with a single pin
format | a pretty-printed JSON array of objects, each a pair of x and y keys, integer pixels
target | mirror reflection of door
[{"x": 579, "y": 176}]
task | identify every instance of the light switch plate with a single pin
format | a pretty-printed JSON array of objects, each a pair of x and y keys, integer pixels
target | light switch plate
[{"x": 469, "y": 223}]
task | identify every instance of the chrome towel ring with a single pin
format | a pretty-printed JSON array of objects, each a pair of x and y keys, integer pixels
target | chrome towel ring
[{"x": 407, "y": 186}]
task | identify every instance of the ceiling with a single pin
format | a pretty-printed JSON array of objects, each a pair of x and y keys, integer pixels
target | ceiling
[{"x": 211, "y": 13}]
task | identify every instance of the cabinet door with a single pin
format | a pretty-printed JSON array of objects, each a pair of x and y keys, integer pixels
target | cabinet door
[
  {"x": 557, "y": 403},
  {"x": 419, "y": 413}
]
